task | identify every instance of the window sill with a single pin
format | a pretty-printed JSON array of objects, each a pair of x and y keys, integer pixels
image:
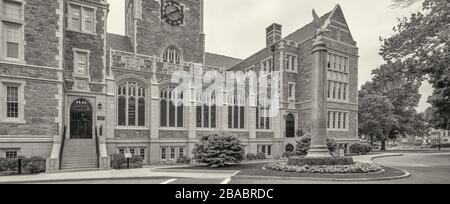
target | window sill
[
  {"x": 81, "y": 32},
  {"x": 172, "y": 128},
  {"x": 82, "y": 76},
  {"x": 337, "y": 130},
  {"x": 131, "y": 128},
  {"x": 12, "y": 60},
  {"x": 13, "y": 121},
  {"x": 238, "y": 130},
  {"x": 293, "y": 72},
  {"x": 265, "y": 131}
]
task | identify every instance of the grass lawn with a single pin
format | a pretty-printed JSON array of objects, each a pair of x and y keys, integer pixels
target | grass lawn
[{"x": 257, "y": 170}]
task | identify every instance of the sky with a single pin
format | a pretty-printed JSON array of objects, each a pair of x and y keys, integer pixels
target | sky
[{"x": 236, "y": 28}]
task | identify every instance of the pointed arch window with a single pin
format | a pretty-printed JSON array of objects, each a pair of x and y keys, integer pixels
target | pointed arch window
[
  {"x": 171, "y": 55},
  {"x": 172, "y": 108},
  {"x": 236, "y": 112},
  {"x": 131, "y": 104},
  {"x": 206, "y": 110},
  {"x": 262, "y": 115}
]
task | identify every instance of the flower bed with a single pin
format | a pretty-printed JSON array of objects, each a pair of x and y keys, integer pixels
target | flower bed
[{"x": 326, "y": 169}]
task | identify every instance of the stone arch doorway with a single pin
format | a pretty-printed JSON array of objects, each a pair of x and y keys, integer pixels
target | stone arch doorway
[
  {"x": 290, "y": 126},
  {"x": 81, "y": 120}
]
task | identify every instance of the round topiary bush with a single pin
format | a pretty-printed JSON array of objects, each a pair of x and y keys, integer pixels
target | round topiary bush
[{"x": 218, "y": 150}]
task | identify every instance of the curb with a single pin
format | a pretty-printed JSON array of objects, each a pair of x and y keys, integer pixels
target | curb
[
  {"x": 85, "y": 179},
  {"x": 405, "y": 175}
]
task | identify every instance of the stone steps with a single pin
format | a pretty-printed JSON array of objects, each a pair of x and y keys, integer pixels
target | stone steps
[{"x": 79, "y": 154}]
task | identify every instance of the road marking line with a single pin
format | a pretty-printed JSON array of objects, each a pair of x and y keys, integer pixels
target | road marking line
[
  {"x": 168, "y": 181},
  {"x": 226, "y": 181}
]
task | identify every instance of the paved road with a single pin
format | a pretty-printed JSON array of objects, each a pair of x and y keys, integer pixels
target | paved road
[{"x": 424, "y": 168}]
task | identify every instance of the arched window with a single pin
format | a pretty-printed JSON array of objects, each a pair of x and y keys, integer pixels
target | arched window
[
  {"x": 172, "y": 108},
  {"x": 263, "y": 115},
  {"x": 236, "y": 112},
  {"x": 206, "y": 110},
  {"x": 131, "y": 104},
  {"x": 171, "y": 55}
]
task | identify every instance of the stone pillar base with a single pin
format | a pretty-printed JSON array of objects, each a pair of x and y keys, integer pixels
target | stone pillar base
[
  {"x": 105, "y": 163},
  {"x": 318, "y": 151},
  {"x": 52, "y": 165}
]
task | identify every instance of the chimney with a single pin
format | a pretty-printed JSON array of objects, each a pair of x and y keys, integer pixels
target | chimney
[{"x": 273, "y": 34}]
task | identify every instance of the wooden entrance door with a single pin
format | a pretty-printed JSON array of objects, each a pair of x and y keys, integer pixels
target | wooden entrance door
[
  {"x": 81, "y": 120},
  {"x": 290, "y": 126}
]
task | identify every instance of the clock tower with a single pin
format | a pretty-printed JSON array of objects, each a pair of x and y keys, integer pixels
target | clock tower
[{"x": 158, "y": 27}]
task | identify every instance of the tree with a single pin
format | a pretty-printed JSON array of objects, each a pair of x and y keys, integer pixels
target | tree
[
  {"x": 387, "y": 104},
  {"x": 421, "y": 43},
  {"x": 218, "y": 150},
  {"x": 376, "y": 116}
]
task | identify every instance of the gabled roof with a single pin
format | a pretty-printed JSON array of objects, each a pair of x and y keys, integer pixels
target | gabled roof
[
  {"x": 118, "y": 42},
  {"x": 222, "y": 61},
  {"x": 309, "y": 30}
]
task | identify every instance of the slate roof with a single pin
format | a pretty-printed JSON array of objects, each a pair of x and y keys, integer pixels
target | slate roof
[
  {"x": 306, "y": 31},
  {"x": 222, "y": 61},
  {"x": 118, "y": 42}
]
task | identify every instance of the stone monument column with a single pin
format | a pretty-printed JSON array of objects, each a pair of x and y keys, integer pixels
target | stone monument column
[{"x": 319, "y": 100}]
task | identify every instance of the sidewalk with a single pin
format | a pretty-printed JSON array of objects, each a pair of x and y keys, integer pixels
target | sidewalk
[
  {"x": 369, "y": 158},
  {"x": 112, "y": 174},
  {"x": 152, "y": 171}
]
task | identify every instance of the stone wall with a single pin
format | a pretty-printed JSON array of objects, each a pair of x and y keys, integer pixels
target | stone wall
[
  {"x": 95, "y": 43},
  {"x": 41, "y": 25},
  {"x": 154, "y": 34}
]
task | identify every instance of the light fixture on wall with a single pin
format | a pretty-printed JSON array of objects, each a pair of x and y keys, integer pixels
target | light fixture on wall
[{"x": 100, "y": 106}]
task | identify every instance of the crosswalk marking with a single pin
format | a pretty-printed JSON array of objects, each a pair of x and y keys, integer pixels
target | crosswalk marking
[{"x": 169, "y": 181}]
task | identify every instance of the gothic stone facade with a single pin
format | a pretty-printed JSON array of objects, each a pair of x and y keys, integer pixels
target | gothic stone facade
[{"x": 63, "y": 78}]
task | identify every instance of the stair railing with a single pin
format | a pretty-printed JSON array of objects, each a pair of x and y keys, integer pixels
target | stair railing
[
  {"x": 97, "y": 146},
  {"x": 61, "y": 148}
]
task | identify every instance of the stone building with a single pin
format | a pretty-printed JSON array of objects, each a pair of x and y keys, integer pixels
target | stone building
[{"x": 75, "y": 94}]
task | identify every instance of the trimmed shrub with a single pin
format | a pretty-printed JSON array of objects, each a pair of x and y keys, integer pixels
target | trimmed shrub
[
  {"x": 218, "y": 150},
  {"x": 303, "y": 145},
  {"x": 184, "y": 160},
  {"x": 442, "y": 146},
  {"x": 332, "y": 146},
  {"x": 358, "y": 148},
  {"x": 251, "y": 157},
  {"x": 368, "y": 147},
  {"x": 33, "y": 165},
  {"x": 302, "y": 161},
  {"x": 118, "y": 161},
  {"x": 292, "y": 154},
  {"x": 261, "y": 156}
]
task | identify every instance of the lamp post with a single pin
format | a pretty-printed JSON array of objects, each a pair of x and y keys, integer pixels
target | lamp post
[{"x": 439, "y": 141}]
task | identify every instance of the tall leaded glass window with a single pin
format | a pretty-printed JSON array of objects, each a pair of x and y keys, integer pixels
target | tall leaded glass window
[
  {"x": 236, "y": 112},
  {"x": 172, "y": 108},
  {"x": 262, "y": 115},
  {"x": 131, "y": 104},
  {"x": 206, "y": 110}
]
